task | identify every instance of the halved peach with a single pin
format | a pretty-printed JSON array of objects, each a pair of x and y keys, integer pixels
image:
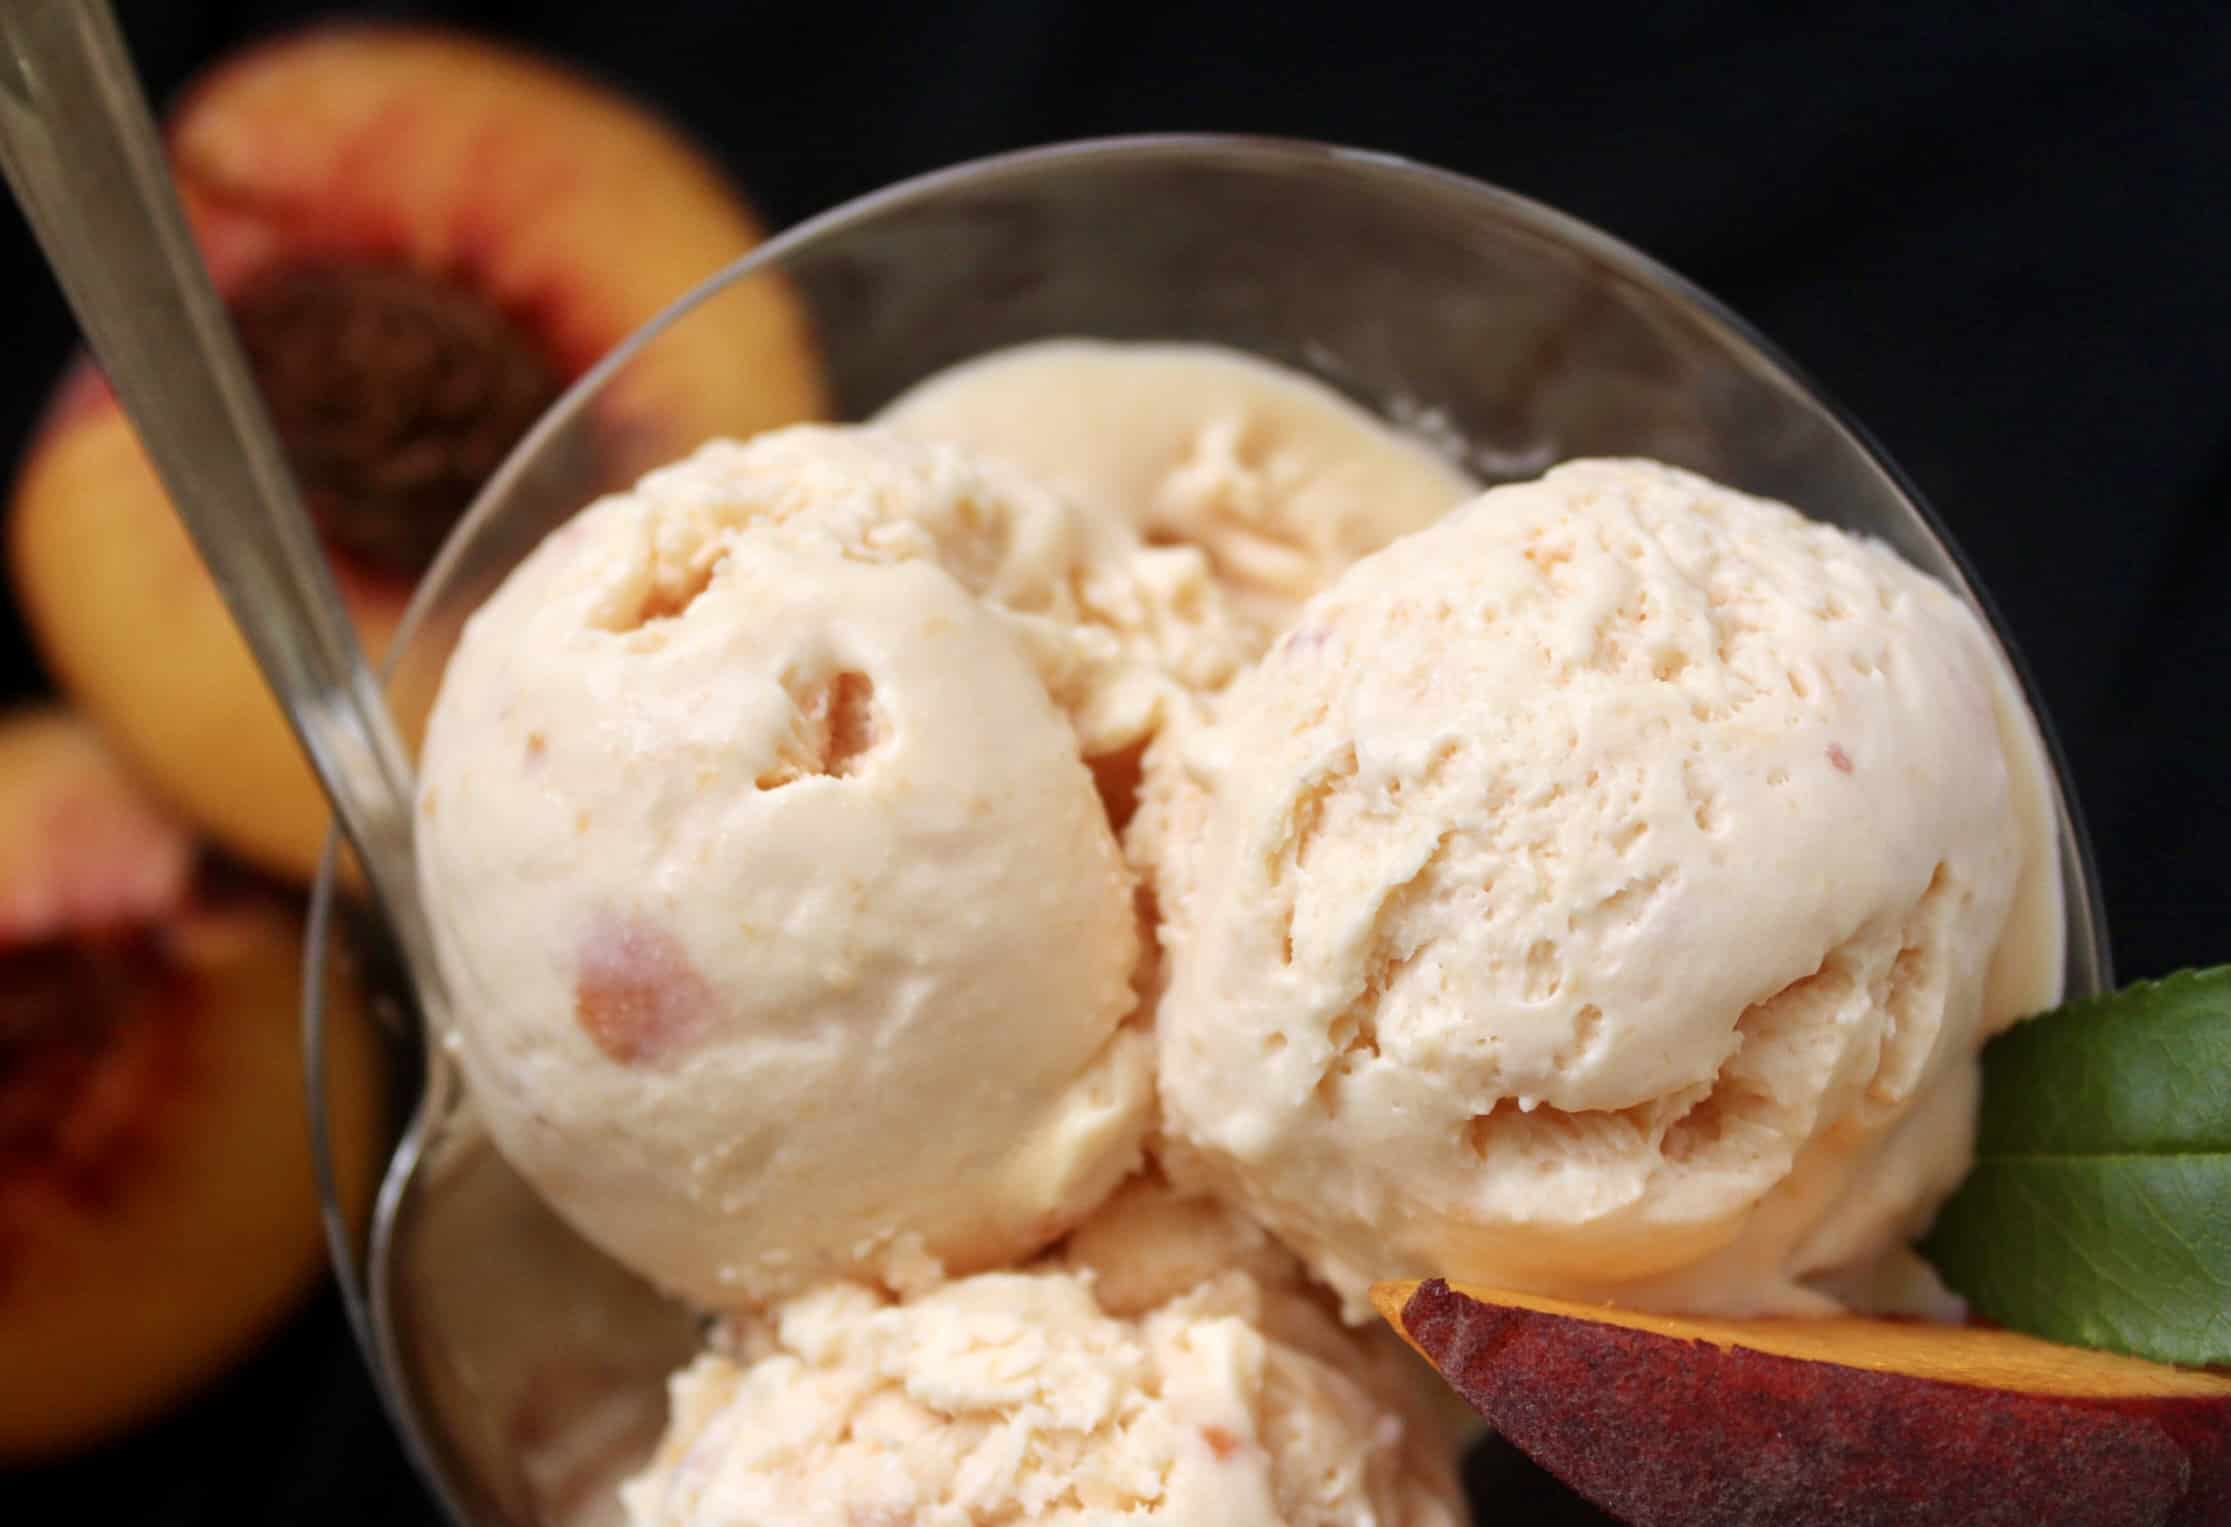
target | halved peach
[
  {"x": 421, "y": 238},
  {"x": 157, "y": 1212}
]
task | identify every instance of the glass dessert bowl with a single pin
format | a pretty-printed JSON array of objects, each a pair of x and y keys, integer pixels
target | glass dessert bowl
[{"x": 524, "y": 1369}]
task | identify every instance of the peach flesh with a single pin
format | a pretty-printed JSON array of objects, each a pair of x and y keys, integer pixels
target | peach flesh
[{"x": 156, "y": 1208}]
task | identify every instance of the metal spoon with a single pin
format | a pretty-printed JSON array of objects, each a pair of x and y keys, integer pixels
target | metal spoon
[{"x": 481, "y": 1300}]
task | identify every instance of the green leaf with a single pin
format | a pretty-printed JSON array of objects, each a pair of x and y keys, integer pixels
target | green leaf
[
  {"x": 2099, "y": 1208},
  {"x": 2143, "y": 1071}
]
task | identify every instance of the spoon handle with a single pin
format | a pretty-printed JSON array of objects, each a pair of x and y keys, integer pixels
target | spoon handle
[{"x": 80, "y": 150}]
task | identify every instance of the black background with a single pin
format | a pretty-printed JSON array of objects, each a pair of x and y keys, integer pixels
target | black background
[{"x": 2001, "y": 235}]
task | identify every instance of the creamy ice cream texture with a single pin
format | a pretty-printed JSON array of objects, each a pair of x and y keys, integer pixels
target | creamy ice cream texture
[
  {"x": 786, "y": 934},
  {"x": 1169, "y": 1364},
  {"x": 1604, "y": 891},
  {"x": 1603, "y": 888},
  {"x": 1279, "y": 479}
]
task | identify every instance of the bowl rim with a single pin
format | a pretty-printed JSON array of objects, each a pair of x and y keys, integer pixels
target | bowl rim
[{"x": 2084, "y": 909}]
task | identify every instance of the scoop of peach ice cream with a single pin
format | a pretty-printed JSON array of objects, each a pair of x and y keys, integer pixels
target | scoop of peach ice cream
[
  {"x": 1169, "y": 1366},
  {"x": 785, "y": 933},
  {"x": 1278, "y": 478},
  {"x": 1604, "y": 892}
]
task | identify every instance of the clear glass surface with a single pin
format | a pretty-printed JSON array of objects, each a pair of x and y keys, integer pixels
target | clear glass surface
[{"x": 1454, "y": 307}]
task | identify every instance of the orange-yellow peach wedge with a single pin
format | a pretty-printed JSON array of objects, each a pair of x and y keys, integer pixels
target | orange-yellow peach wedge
[
  {"x": 1667, "y": 1421},
  {"x": 423, "y": 237},
  {"x": 157, "y": 1212}
]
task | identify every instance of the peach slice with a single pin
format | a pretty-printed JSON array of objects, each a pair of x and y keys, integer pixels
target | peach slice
[
  {"x": 421, "y": 238},
  {"x": 1667, "y": 1421},
  {"x": 157, "y": 1213}
]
